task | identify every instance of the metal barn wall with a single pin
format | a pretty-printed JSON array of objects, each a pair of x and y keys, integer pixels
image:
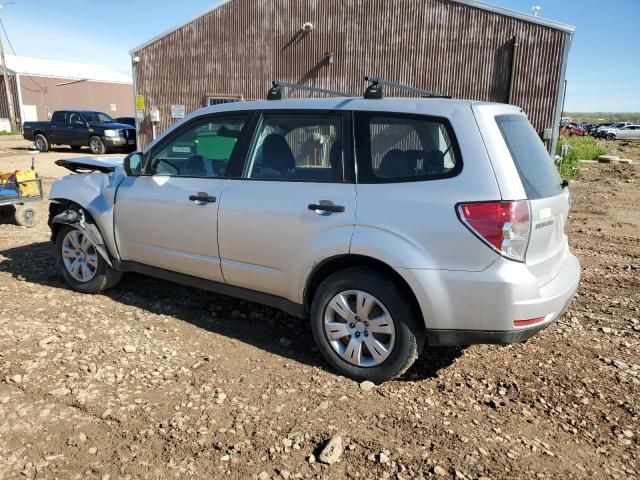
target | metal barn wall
[
  {"x": 49, "y": 94},
  {"x": 441, "y": 45},
  {"x": 4, "y": 105}
]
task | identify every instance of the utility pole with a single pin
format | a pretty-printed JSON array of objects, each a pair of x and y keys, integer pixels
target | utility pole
[{"x": 7, "y": 86}]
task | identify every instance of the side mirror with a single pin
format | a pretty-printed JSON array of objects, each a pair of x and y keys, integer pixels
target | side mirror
[{"x": 133, "y": 164}]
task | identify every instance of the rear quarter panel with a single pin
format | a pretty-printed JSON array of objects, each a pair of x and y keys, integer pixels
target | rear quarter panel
[{"x": 414, "y": 224}]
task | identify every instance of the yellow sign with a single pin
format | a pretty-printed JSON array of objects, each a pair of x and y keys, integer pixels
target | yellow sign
[{"x": 139, "y": 102}]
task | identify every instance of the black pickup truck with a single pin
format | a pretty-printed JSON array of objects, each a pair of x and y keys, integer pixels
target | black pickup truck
[{"x": 81, "y": 128}]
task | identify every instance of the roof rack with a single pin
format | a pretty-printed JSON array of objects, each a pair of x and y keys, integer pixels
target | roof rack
[
  {"x": 376, "y": 91},
  {"x": 275, "y": 92}
]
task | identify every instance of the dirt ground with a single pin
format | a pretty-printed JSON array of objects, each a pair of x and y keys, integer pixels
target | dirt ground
[
  {"x": 17, "y": 154},
  {"x": 156, "y": 380}
]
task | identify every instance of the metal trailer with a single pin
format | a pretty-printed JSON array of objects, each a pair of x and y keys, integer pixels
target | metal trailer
[{"x": 16, "y": 206}]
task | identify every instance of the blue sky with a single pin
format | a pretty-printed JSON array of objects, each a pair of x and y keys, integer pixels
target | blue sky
[{"x": 603, "y": 72}]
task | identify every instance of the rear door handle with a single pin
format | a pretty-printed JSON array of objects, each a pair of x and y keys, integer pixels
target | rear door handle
[
  {"x": 326, "y": 208},
  {"x": 202, "y": 197}
]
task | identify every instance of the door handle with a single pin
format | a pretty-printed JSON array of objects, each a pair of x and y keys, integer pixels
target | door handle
[
  {"x": 326, "y": 208},
  {"x": 202, "y": 197}
]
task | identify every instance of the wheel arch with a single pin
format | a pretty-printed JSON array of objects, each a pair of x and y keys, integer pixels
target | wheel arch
[
  {"x": 68, "y": 212},
  {"x": 340, "y": 262}
]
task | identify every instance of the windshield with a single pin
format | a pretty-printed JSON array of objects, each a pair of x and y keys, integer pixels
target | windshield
[{"x": 97, "y": 117}]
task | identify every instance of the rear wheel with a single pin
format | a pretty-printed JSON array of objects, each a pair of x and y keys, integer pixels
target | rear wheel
[
  {"x": 610, "y": 136},
  {"x": 97, "y": 146},
  {"x": 26, "y": 216},
  {"x": 365, "y": 326},
  {"x": 81, "y": 264},
  {"x": 41, "y": 142}
]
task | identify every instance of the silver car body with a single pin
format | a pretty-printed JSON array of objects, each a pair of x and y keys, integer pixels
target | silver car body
[
  {"x": 630, "y": 131},
  {"x": 260, "y": 236}
]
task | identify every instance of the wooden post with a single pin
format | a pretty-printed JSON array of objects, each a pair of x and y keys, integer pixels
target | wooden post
[{"x": 7, "y": 86}]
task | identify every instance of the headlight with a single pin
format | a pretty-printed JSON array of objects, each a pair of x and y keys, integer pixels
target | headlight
[{"x": 111, "y": 133}]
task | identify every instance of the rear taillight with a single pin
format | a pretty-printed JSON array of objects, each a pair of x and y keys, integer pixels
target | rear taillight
[{"x": 504, "y": 226}]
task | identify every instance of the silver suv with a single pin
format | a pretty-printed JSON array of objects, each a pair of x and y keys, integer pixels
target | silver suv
[{"x": 387, "y": 223}]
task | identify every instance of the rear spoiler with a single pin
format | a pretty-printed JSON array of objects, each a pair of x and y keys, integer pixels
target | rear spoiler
[{"x": 89, "y": 164}]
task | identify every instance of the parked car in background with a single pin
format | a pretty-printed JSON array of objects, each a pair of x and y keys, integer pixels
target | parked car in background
[
  {"x": 573, "y": 129},
  {"x": 357, "y": 215},
  {"x": 127, "y": 120},
  {"x": 81, "y": 128},
  {"x": 630, "y": 131},
  {"x": 603, "y": 131}
]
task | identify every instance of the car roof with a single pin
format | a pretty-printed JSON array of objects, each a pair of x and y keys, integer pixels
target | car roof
[
  {"x": 439, "y": 107},
  {"x": 392, "y": 104}
]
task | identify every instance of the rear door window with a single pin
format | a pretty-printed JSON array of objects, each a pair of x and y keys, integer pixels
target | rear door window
[
  {"x": 297, "y": 147},
  {"x": 404, "y": 148},
  {"x": 539, "y": 176}
]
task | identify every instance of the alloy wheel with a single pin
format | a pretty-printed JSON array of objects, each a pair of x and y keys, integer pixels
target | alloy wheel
[
  {"x": 79, "y": 256},
  {"x": 359, "y": 328}
]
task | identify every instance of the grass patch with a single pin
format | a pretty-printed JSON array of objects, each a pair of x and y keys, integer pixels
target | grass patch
[
  {"x": 580, "y": 148},
  {"x": 10, "y": 133}
]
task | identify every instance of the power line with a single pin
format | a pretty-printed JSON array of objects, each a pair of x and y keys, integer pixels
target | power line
[{"x": 13, "y": 50}]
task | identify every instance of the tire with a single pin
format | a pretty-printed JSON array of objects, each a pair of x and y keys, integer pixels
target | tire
[
  {"x": 610, "y": 136},
  {"x": 101, "y": 276},
  {"x": 41, "y": 142},
  {"x": 97, "y": 146},
  {"x": 404, "y": 343},
  {"x": 75, "y": 148},
  {"x": 26, "y": 216}
]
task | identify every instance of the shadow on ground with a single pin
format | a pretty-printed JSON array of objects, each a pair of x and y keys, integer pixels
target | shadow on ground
[{"x": 251, "y": 323}]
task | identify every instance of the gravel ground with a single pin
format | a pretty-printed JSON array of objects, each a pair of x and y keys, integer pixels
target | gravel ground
[{"x": 155, "y": 380}]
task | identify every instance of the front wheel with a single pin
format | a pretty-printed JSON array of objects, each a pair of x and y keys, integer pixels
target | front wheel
[
  {"x": 97, "y": 146},
  {"x": 82, "y": 266},
  {"x": 365, "y": 326}
]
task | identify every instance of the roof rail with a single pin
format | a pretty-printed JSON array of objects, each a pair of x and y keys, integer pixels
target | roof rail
[
  {"x": 275, "y": 92},
  {"x": 376, "y": 91}
]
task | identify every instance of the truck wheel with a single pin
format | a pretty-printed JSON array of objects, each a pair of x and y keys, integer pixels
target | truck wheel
[
  {"x": 96, "y": 146},
  {"x": 365, "y": 326},
  {"x": 82, "y": 266},
  {"x": 26, "y": 216},
  {"x": 42, "y": 144}
]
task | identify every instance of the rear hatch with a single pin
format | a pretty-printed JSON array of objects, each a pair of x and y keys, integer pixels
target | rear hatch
[{"x": 525, "y": 171}]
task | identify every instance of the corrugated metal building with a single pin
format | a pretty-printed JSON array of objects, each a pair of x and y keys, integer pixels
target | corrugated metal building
[
  {"x": 42, "y": 86},
  {"x": 463, "y": 48}
]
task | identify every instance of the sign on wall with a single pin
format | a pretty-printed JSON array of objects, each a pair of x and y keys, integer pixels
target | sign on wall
[
  {"x": 178, "y": 111},
  {"x": 139, "y": 102}
]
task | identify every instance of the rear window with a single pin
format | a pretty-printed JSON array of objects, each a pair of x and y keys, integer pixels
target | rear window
[
  {"x": 535, "y": 167},
  {"x": 404, "y": 148}
]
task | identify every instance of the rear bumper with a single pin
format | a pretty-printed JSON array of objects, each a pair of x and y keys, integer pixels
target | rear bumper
[{"x": 464, "y": 308}]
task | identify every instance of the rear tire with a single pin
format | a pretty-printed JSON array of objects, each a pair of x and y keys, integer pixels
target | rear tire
[
  {"x": 397, "y": 340},
  {"x": 26, "y": 216},
  {"x": 91, "y": 273},
  {"x": 41, "y": 142},
  {"x": 97, "y": 146}
]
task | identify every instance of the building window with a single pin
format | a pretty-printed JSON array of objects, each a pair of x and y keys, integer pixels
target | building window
[{"x": 215, "y": 99}]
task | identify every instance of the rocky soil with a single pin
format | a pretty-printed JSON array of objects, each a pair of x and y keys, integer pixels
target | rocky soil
[{"x": 155, "y": 380}]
